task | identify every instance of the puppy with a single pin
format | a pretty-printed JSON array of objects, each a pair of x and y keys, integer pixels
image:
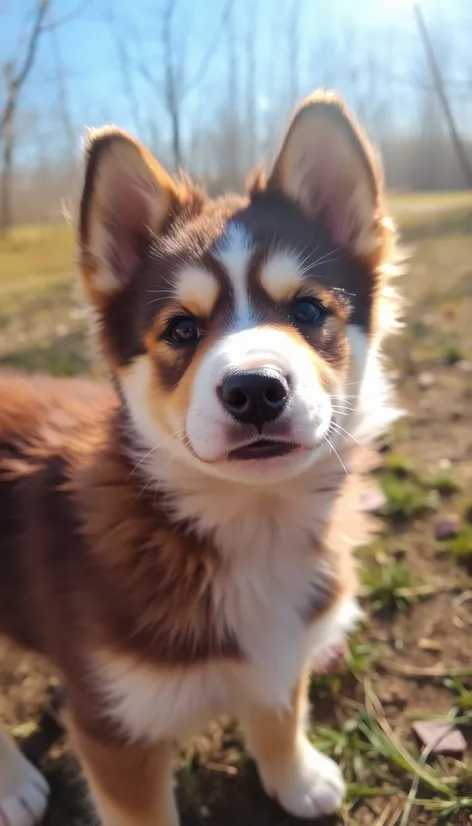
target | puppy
[{"x": 176, "y": 543}]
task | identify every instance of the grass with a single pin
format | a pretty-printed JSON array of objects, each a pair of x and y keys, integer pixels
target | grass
[
  {"x": 461, "y": 711},
  {"x": 36, "y": 252},
  {"x": 42, "y": 322},
  {"x": 42, "y": 326},
  {"x": 460, "y": 547},
  {"x": 444, "y": 482},
  {"x": 389, "y": 587},
  {"x": 399, "y": 466},
  {"x": 404, "y": 498},
  {"x": 407, "y": 492},
  {"x": 452, "y": 353},
  {"x": 361, "y": 658},
  {"x": 377, "y": 763},
  {"x": 405, "y": 495}
]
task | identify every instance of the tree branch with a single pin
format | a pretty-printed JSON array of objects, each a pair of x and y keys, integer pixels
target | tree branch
[
  {"x": 67, "y": 18},
  {"x": 19, "y": 78},
  {"x": 120, "y": 44},
  {"x": 209, "y": 53},
  {"x": 16, "y": 79}
]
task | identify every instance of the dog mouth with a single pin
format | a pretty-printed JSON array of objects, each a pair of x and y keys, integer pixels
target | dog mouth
[{"x": 262, "y": 449}]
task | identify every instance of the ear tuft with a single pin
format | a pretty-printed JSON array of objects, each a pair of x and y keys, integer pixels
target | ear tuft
[
  {"x": 127, "y": 197},
  {"x": 256, "y": 181},
  {"x": 329, "y": 168}
]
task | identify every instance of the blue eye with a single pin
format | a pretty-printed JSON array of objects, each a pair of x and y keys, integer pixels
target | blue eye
[
  {"x": 183, "y": 330},
  {"x": 307, "y": 312}
]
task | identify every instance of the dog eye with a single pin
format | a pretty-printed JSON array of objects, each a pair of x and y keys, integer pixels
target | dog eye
[
  {"x": 308, "y": 312},
  {"x": 183, "y": 330}
]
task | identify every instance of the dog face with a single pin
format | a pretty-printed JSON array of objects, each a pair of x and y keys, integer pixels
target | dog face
[{"x": 238, "y": 329}]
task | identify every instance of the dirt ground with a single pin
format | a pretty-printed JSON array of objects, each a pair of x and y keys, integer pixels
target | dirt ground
[{"x": 413, "y": 657}]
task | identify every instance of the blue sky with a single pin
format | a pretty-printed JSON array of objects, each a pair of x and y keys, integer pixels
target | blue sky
[
  {"x": 88, "y": 48},
  {"x": 94, "y": 84}
]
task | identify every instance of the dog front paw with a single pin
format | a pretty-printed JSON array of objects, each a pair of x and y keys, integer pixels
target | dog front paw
[
  {"x": 23, "y": 790},
  {"x": 310, "y": 786}
]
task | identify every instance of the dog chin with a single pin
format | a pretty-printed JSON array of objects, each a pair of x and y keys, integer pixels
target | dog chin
[{"x": 261, "y": 469}]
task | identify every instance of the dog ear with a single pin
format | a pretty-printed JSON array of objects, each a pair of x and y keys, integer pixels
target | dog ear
[
  {"x": 127, "y": 197},
  {"x": 328, "y": 167}
]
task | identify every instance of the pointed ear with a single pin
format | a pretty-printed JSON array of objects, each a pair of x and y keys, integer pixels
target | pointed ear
[
  {"x": 329, "y": 168},
  {"x": 126, "y": 198}
]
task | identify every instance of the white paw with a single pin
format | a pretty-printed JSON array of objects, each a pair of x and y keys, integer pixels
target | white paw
[
  {"x": 311, "y": 786},
  {"x": 23, "y": 790},
  {"x": 26, "y": 805}
]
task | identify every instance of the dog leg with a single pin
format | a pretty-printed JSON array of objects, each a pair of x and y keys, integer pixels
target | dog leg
[
  {"x": 132, "y": 784},
  {"x": 305, "y": 782},
  {"x": 23, "y": 790}
]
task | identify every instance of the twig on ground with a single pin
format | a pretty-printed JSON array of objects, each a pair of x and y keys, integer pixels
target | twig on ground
[{"x": 435, "y": 672}]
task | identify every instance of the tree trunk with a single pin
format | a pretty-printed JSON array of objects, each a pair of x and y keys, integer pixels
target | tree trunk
[
  {"x": 176, "y": 140},
  {"x": 6, "y": 212}
]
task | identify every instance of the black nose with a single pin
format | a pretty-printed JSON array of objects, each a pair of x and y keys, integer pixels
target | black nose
[{"x": 255, "y": 396}]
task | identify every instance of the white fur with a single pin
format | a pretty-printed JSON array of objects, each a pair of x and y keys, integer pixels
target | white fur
[
  {"x": 265, "y": 534},
  {"x": 234, "y": 252},
  {"x": 281, "y": 275},
  {"x": 309, "y": 413},
  {"x": 361, "y": 408},
  {"x": 23, "y": 791},
  {"x": 373, "y": 411},
  {"x": 154, "y": 703},
  {"x": 196, "y": 286},
  {"x": 310, "y": 786}
]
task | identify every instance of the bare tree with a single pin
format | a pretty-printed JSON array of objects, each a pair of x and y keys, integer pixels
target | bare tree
[
  {"x": 233, "y": 137},
  {"x": 14, "y": 78},
  {"x": 62, "y": 91},
  {"x": 294, "y": 40},
  {"x": 443, "y": 98},
  {"x": 175, "y": 89},
  {"x": 171, "y": 82},
  {"x": 124, "y": 65},
  {"x": 251, "y": 89}
]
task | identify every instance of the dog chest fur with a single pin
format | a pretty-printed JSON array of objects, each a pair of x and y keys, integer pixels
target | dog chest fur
[{"x": 272, "y": 584}]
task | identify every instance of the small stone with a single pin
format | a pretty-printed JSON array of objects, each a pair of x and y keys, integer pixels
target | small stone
[
  {"x": 440, "y": 738},
  {"x": 444, "y": 464},
  {"x": 447, "y": 527},
  {"x": 426, "y": 380},
  {"x": 204, "y": 811},
  {"x": 372, "y": 500}
]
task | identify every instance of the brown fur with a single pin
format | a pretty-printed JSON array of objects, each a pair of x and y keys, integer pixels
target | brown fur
[
  {"x": 88, "y": 556},
  {"x": 96, "y": 549},
  {"x": 106, "y": 555},
  {"x": 272, "y": 733},
  {"x": 91, "y": 556},
  {"x": 132, "y": 785}
]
